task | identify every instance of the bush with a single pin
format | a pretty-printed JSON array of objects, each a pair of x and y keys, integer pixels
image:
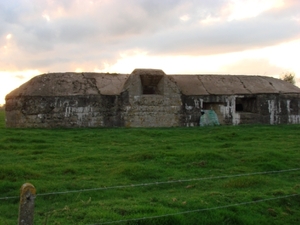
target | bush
[{"x": 289, "y": 77}]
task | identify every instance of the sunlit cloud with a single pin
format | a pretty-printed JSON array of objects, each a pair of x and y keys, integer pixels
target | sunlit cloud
[
  {"x": 210, "y": 20},
  {"x": 78, "y": 70},
  {"x": 297, "y": 18},
  {"x": 11, "y": 80},
  {"x": 185, "y": 18},
  {"x": 253, "y": 66},
  {"x": 251, "y": 8},
  {"x": 9, "y": 36},
  {"x": 46, "y": 17},
  {"x": 20, "y": 76}
]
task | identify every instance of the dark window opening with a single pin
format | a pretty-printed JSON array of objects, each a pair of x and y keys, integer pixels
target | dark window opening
[
  {"x": 150, "y": 84},
  {"x": 239, "y": 108},
  {"x": 293, "y": 106},
  {"x": 149, "y": 90},
  {"x": 247, "y": 104}
]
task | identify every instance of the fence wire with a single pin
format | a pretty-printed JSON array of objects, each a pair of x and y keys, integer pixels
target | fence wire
[
  {"x": 197, "y": 210},
  {"x": 157, "y": 183}
]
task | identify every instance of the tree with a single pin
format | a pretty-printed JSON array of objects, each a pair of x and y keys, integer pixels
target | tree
[{"x": 288, "y": 77}]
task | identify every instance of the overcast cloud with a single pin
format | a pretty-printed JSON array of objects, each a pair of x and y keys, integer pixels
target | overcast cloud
[{"x": 62, "y": 35}]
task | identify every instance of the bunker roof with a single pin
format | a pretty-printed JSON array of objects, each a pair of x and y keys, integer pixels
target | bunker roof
[
  {"x": 68, "y": 84},
  {"x": 231, "y": 84}
]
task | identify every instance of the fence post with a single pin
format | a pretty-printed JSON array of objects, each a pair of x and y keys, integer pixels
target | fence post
[{"x": 26, "y": 207}]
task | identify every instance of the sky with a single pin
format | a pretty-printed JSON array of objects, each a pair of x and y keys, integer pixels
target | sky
[{"x": 250, "y": 37}]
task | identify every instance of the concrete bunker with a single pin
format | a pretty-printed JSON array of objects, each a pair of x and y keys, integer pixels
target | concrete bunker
[{"x": 150, "y": 98}]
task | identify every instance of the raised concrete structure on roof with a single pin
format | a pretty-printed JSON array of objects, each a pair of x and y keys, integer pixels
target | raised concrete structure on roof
[{"x": 150, "y": 98}]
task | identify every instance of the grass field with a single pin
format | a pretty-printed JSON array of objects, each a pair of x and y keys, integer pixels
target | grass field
[{"x": 119, "y": 159}]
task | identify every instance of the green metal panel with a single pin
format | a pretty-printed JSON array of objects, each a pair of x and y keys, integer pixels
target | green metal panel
[{"x": 209, "y": 118}]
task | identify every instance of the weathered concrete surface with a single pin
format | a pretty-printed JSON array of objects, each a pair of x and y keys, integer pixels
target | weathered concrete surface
[
  {"x": 189, "y": 84},
  {"x": 160, "y": 108},
  {"x": 231, "y": 84},
  {"x": 65, "y": 111},
  {"x": 62, "y": 84},
  {"x": 223, "y": 85},
  {"x": 257, "y": 85},
  {"x": 151, "y": 72},
  {"x": 150, "y": 98},
  {"x": 281, "y": 86}
]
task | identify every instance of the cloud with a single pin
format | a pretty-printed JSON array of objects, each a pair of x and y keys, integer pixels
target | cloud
[
  {"x": 297, "y": 81},
  {"x": 20, "y": 77},
  {"x": 223, "y": 38},
  {"x": 95, "y": 32},
  {"x": 252, "y": 66}
]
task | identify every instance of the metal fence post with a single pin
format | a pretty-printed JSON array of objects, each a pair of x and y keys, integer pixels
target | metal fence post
[{"x": 26, "y": 207}]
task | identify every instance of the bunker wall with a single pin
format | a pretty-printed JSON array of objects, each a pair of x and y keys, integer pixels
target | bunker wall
[
  {"x": 65, "y": 111},
  {"x": 242, "y": 109}
]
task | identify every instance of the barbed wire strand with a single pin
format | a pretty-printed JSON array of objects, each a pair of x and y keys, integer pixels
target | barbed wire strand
[
  {"x": 11, "y": 197},
  {"x": 197, "y": 210},
  {"x": 157, "y": 183}
]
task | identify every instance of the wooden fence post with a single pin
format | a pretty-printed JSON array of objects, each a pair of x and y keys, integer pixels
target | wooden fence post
[{"x": 26, "y": 207}]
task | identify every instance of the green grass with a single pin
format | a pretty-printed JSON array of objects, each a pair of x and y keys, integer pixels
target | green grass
[{"x": 58, "y": 160}]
